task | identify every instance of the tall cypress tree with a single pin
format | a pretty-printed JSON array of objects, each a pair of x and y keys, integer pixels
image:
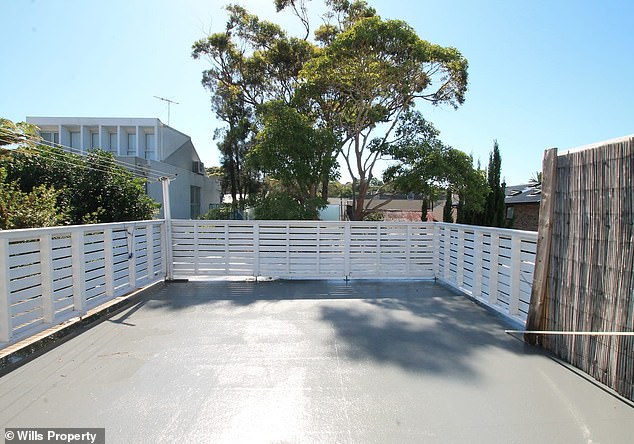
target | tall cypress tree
[
  {"x": 447, "y": 211},
  {"x": 494, "y": 214}
]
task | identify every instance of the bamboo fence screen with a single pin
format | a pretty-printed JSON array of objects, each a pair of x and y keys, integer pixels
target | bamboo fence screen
[{"x": 584, "y": 280}]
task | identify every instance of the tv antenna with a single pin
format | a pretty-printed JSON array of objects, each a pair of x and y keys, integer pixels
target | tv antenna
[{"x": 169, "y": 102}]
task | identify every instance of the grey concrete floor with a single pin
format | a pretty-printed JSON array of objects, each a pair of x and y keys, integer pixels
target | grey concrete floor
[{"x": 318, "y": 361}]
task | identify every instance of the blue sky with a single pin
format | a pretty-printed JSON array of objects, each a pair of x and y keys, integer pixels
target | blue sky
[{"x": 542, "y": 74}]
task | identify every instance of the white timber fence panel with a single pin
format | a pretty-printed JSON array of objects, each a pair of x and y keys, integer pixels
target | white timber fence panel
[
  {"x": 303, "y": 249},
  {"x": 494, "y": 266},
  {"x": 50, "y": 275}
]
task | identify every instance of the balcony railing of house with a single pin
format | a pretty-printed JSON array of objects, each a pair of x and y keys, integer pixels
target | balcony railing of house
[{"x": 50, "y": 275}]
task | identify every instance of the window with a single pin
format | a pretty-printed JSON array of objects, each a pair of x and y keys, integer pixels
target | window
[
  {"x": 131, "y": 144},
  {"x": 195, "y": 202},
  {"x": 75, "y": 140},
  {"x": 112, "y": 142},
  {"x": 94, "y": 140},
  {"x": 52, "y": 137},
  {"x": 509, "y": 212},
  {"x": 150, "y": 147}
]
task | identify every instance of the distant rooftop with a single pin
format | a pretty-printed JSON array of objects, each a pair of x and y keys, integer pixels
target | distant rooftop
[{"x": 523, "y": 193}]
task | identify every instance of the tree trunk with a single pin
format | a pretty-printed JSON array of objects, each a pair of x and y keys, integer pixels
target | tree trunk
[{"x": 359, "y": 209}]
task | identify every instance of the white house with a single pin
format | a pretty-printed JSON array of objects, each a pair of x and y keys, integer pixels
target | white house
[{"x": 151, "y": 146}]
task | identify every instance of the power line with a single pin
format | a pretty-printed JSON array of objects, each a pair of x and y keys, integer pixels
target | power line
[
  {"x": 127, "y": 165},
  {"x": 63, "y": 160},
  {"x": 137, "y": 170}
]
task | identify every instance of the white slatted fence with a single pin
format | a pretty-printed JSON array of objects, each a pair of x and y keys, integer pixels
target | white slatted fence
[
  {"x": 303, "y": 249},
  {"x": 50, "y": 275},
  {"x": 494, "y": 266}
]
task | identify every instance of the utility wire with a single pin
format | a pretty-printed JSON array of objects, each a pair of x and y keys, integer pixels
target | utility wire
[
  {"x": 136, "y": 170},
  {"x": 129, "y": 166},
  {"x": 79, "y": 152},
  {"x": 61, "y": 159}
]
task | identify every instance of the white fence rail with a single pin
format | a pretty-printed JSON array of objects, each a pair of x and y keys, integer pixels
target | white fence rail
[
  {"x": 494, "y": 266},
  {"x": 50, "y": 275},
  {"x": 303, "y": 249}
]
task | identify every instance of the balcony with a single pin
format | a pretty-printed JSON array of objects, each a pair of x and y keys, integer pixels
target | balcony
[{"x": 366, "y": 336}]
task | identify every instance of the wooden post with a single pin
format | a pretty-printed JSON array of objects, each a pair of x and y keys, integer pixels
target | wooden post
[{"x": 538, "y": 309}]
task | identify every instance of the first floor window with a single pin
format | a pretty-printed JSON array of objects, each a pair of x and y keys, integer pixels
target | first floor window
[
  {"x": 131, "y": 144},
  {"x": 113, "y": 142},
  {"x": 195, "y": 202},
  {"x": 75, "y": 139},
  {"x": 52, "y": 137},
  {"x": 94, "y": 140}
]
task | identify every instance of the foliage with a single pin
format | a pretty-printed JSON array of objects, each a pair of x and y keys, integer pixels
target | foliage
[
  {"x": 374, "y": 216},
  {"x": 361, "y": 74},
  {"x": 425, "y": 165},
  {"x": 494, "y": 215},
  {"x": 19, "y": 209},
  {"x": 215, "y": 171},
  {"x": 447, "y": 211},
  {"x": 91, "y": 189},
  {"x": 370, "y": 73},
  {"x": 536, "y": 178},
  {"x": 222, "y": 212},
  {"x": 291, "y": 150},
  {"x": 20, "y": 133},
  {"x": 338, "y": 189},
  {"x": 280, "y": 206}
]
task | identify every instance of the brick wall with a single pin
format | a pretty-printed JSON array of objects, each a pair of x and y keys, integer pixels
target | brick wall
[{"x": 525, "y": 216}]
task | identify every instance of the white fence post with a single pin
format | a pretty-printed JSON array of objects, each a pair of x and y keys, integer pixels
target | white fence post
[
  {"x": 6, "y": 329},
  {"x": 108, "y": 262},
  {"x": 79, "y": 271},
  {"x": 256, "y": 249},
  {"x": 46, "y": 270},
  {"x": 437, "y": 230},
  {"x": 408, "y": 250},
  {"x": 516, "y": 263},
  {"x": 460, "y": 257},
  {"x": 149, "y": 250},
  {"x": 346, "y": 249},
  {"x": 196, "y": 248},
  {"x": 493, "y": 270},
  {"x": 167, "y": 213},
  {"x": 130, "y": 233},
  {"x": 478, "y": 246},
  {"x": 447, "y": 253}
]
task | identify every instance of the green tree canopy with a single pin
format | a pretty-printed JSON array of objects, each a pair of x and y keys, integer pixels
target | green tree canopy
[
  {"x": 290, "y": 149},
  {"x": 427, "y": 166},
  {"x": 65, "y": 188},
  {"x": 358, "y": 77},
  {"x": 371, "y": 73}
]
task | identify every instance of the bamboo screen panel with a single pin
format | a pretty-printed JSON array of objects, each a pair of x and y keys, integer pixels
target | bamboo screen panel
[{"x": 591, "y": 285}]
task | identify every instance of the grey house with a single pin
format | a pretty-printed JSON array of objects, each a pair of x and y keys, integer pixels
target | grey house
[{"x": 149, "y": 145}]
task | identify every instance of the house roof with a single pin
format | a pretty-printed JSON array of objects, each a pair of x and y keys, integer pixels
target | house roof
[{"x": 523, "y": 193}]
